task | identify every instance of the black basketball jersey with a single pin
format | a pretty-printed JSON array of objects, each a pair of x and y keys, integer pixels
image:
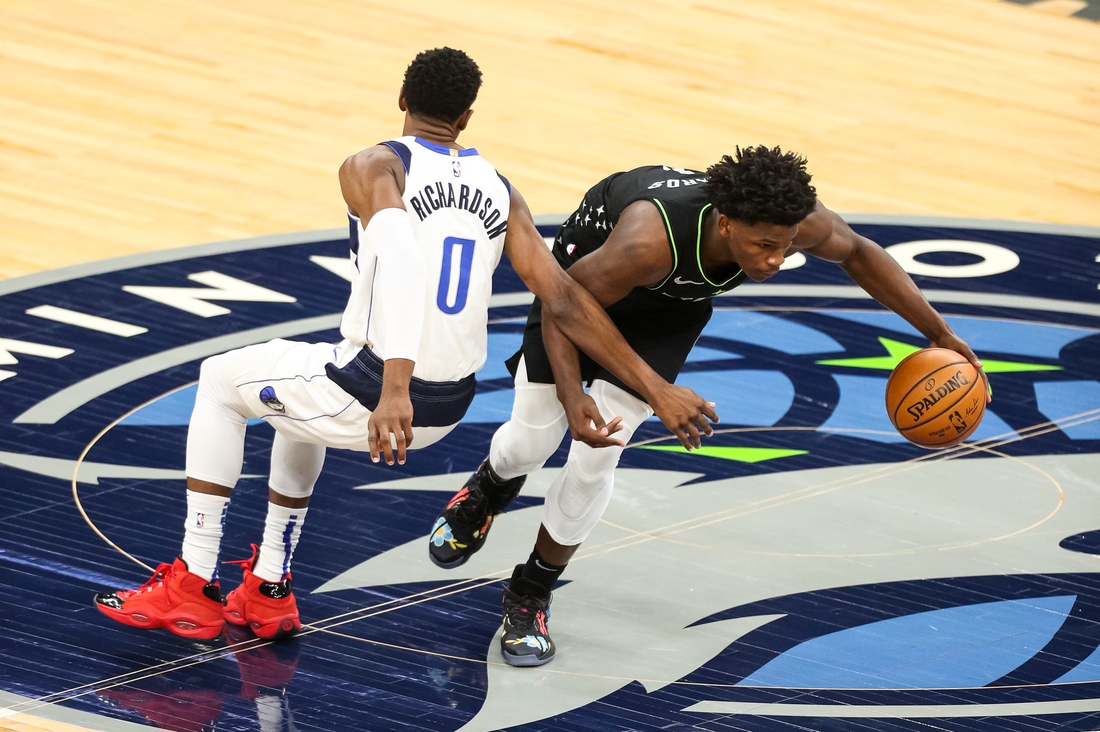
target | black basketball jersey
[{"x": 679, "y": 196}]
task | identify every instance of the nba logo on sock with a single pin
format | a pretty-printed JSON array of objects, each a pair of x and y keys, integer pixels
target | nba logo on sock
[
  {"x": 267, "y": 396},
  {"x": 200, "y": 520}
]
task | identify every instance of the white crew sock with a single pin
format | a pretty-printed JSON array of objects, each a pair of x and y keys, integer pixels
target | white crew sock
[
  {"x": 202, "y": 538},
  {"x": 281, "y": 532}
]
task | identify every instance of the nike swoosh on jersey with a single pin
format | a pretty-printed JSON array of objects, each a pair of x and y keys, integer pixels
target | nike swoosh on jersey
[{"x": 682, "y": 281}]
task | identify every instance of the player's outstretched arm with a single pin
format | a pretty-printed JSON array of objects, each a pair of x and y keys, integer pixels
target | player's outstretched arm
[
  {"x": 826, "y": 235},
  {"x": 581, "y": 317},
  {"x": 372, "y": 181}
]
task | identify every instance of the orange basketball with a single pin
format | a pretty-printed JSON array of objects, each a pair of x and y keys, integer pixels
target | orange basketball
[{"x": 935, "y": 398}]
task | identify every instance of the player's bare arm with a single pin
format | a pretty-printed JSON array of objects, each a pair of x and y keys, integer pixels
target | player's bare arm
[
  {"x": 371, "y": 181},
  {"x": 826, "y": 235},
  {"x": 635, "y": 254}
]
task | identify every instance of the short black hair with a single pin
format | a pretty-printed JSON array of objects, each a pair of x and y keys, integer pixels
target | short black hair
[
  {"x": 441, "y": 84},
  {"x": 762, "y": 185}
]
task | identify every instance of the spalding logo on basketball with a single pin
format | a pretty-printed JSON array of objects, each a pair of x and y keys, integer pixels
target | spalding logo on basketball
[{"x": 935, "y": 398}]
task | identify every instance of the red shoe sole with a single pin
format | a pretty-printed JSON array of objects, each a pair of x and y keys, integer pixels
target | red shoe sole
[
  {"x": 278, "y": 630},
  {"x": 234, "y": 617},
  {"x": 182, "y": 625},
  {"x": 188, "y": 628}
]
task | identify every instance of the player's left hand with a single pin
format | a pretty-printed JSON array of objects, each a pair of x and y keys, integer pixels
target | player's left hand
[
  {"x": 586, "y": 423},
  {"x": 390, "y": 424},
  {"x": 958, "y": 345}
]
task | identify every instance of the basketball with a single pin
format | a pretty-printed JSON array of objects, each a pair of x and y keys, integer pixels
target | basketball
[{"x": 935, "y": 398}]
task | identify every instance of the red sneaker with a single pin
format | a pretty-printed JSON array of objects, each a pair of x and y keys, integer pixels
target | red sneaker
[
  {"x": 173, "y": 599},
  {"x": 267, "y": 607}
]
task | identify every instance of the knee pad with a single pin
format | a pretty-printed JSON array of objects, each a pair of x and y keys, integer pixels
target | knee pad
[
  {"x": 579, "y": 496},
  {"x": 295, "y": 466}
]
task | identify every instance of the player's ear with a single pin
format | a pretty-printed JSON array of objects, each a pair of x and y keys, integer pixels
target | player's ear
[
  {"x": 401, "y": 100},
  {"x": 725, "y": 225},
  {"x": 463, "y": 120}
]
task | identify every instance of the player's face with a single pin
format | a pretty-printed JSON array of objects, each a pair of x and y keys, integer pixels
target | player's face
[{"x": 760, "y": 249}]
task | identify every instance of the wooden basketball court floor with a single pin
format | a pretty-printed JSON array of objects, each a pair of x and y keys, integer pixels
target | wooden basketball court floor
[{"x": 782, "y": 583}]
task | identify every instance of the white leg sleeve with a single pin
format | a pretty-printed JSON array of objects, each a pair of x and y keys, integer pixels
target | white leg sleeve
[
  {"x": 579, "y": 495},
  {"x": 215, "y": 435},
  {"x": 295, "y": 466},
  {"x": 527, "y": 440}
]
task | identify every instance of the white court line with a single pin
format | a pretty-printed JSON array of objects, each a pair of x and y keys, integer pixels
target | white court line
[{"x": 898, "y": 711}]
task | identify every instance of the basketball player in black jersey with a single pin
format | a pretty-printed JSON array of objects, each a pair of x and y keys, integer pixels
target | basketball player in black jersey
[{"x": 654, "y": 246}]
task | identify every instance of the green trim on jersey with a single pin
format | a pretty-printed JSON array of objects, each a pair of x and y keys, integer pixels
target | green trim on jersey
[
  {"x": 671, "y": 244},
  {"x": 699, "y": 253}
]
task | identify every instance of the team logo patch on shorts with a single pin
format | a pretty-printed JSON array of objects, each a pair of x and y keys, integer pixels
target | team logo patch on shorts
[{"x": 267, "y": 396}]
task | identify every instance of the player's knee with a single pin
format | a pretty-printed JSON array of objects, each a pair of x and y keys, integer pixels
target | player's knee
[
  {"x": 575, "y": 505},
  {"x": 295, "y": 467},
  {"x": 591, "y": 465},
  {"x": 518, "y": 449},
  {"x": 582, "y": 486},
  {"x": 216, "y": 384},
  {"x": 214, "y": 377}
]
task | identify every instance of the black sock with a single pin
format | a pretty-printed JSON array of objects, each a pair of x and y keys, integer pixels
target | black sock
[
  {"x": 493, "y": 477},
  {"x": 538, "y": 576},
  {"x": 499, "y": 492}
]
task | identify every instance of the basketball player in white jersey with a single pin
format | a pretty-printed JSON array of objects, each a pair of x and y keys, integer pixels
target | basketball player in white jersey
[{"x": 429, "y": 222}]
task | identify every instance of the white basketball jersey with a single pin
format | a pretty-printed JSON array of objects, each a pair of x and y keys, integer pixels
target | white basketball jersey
[{"x": 458, "y": 208}]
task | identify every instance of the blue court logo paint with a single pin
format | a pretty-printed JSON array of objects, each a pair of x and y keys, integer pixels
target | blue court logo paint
[
  {"x": 103, "y": 359},
  {"x": 267, "y": 396}
]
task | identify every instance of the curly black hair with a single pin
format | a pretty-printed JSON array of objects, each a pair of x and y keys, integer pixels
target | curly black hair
[
  {"x": 762, "y": 185},
  {"x": 441, "y": 84}
]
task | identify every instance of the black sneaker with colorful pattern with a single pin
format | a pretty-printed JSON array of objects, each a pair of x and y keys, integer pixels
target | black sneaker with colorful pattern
[
  {"x": 526, "y": 638},
  {"x": 460, "y": 530}
]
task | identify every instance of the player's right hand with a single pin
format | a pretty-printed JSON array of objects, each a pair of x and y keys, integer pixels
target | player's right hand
[
  {"x": 390, "y": 425},
  {"x": 685, "y": 413},
  {"x": 958, "y": 345},
  {"x": 586, "y": 423}
]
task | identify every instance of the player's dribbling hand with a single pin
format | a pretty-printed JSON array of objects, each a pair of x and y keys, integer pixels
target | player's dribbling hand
[
  {"x": 587, "y": 425},
  {"x": 958, "y": 345},
  {"x": 390, "y": 424},
  {"x": 685, "y": 413}
]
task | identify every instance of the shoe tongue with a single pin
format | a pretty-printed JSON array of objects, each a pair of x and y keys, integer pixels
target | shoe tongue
[{"x": 529, "y": 591}]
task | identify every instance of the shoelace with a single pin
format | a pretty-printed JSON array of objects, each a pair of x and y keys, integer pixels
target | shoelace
[
  {"x": 163, "y": 572},
  {"x": 276, "y": 590},
  {"x": 469, "y": 510},
  {"x": 245, "y": 562},
  {"x": 522, "y": 611}
]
